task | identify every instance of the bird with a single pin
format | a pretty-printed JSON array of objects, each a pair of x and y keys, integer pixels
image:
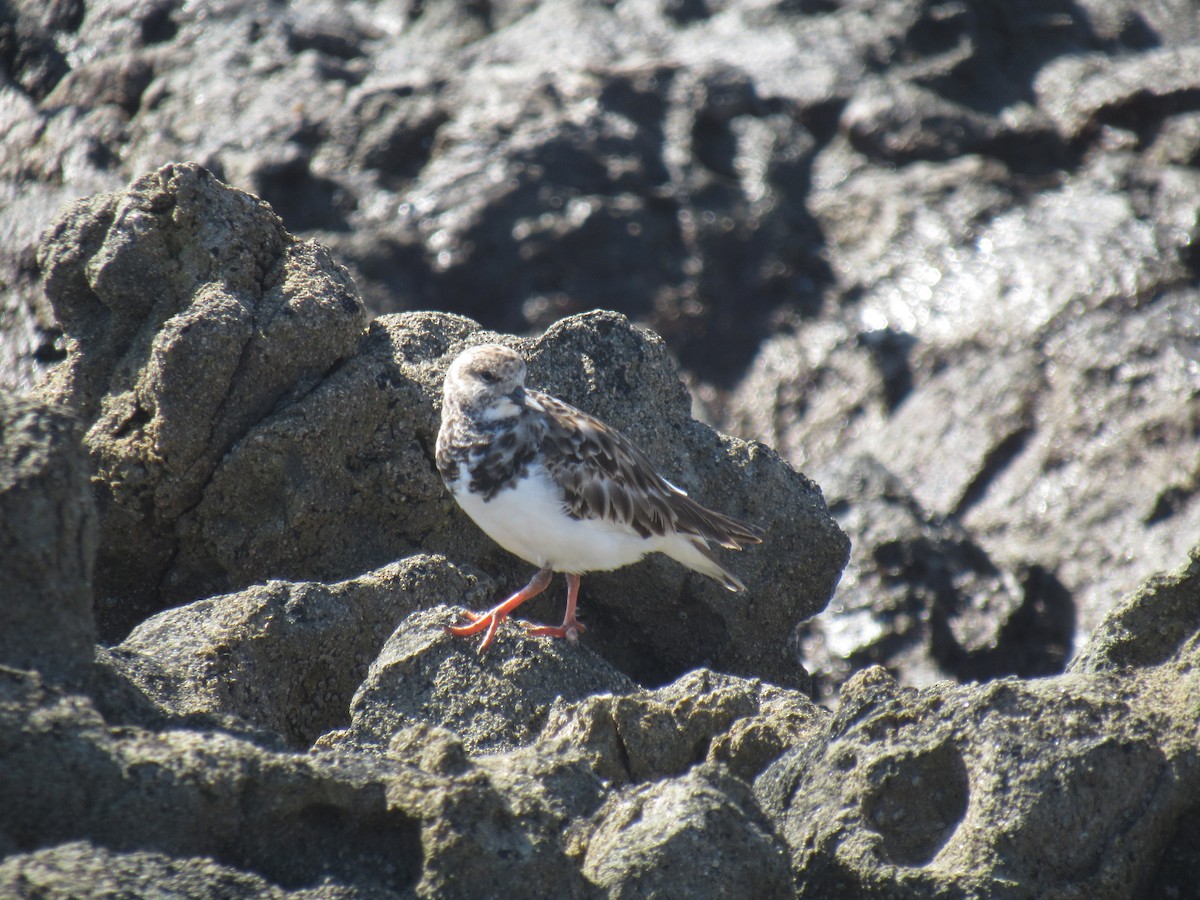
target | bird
[{"x": 561, "y": 489}]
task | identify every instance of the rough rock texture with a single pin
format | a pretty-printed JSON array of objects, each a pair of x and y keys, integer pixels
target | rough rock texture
[
  {"x": 84, "y": 870},
  {"x": 491, "y": 702},
  {"x": 702, "y": 717},
  {"x": 286, "y": 656},
  {"x": 230, "y": 451},
  {"x": 940, "y": 256},
  {"x": 47, "y": 542},
  {"x": 1077, "y": 785},
  {"x": 190, "y": 313},
  {"x": 657, "y": 840},
  {"x": 923, "y": 597},
  {"x": 956, "y": 237}
]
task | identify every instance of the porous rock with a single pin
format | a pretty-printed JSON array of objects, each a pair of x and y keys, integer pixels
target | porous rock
[
  {"x": 1149, "y": 627},
  {"x": 362, "y": 488},
  {"x": 348, "y": 822},
  {"x": 703, "y": 717},
  {"x": 189, "y": 313},
  {"x": 47, "y": 542},
  {"x": 699, "y": 835},
  {"x": 493, "y": 701},
  {"x": 908, "y": 195},
  {"x": 228, "y": 456},
  {"x": 285, "y": 656},
  {"x": 922, "y": 597},
  {"x": 290, "y": 819},
  {"x": 84, "y": 870},
  {"x": 1029, "y": 381},
  {"x": 972, "y": 788}
]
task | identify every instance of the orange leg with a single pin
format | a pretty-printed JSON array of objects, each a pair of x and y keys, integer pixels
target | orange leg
[
  {"x": 492, "y": 618},
  {"x": 571, "y": 627}
]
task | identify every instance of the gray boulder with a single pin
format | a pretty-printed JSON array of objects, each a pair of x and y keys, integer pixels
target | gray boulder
[
  {"x": 284, "y": 656},
  {"x": 494, "y": 701},
  {"x": 922, "y": 596},
  {"x": 47, "y": 542},
  {"x": 190, "y": 313},
  {"x": 84, "y": 870},
  {"x": 1075, "y": 785},
  {"x": 699, "y": 835},
  {"x": 939, "y": 256}
]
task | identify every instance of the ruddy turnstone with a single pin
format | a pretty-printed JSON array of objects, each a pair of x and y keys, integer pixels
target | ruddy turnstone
[{"x": 561, "y": 489}]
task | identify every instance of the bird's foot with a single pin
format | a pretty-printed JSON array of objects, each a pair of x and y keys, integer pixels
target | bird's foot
[
  {"x": 570, "y": 629},
  {"x": 478, "y": 622},
  {"x": 493, "y": 617},
  {"x": 475, "y": 622}
]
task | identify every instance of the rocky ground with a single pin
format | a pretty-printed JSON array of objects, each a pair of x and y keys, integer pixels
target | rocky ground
[{"x": 932, "y": 263}]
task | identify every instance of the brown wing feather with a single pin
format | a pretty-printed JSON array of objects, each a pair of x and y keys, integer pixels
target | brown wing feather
[{"x": 605, "y": 476}]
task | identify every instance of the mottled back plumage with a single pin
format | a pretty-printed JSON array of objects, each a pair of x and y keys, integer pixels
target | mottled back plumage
[{"x": 605, "y": 476}]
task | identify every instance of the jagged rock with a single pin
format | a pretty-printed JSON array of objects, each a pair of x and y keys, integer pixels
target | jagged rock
[
  {"x": 958, "y": 238},
  {"x": 921, "y": 596},
  {"x": 699, "y": 835},
  {"x": 228, "y": 456},
  {"x": 492, "y": 701},
  {"x": 190, "y": 314},
  {"x": 1103, "y": 493},
  {"x": 1085, "y": 93},
  {"x": 293, "y": 820},
  {"x": 1077, "y": 785},
  {"x": 950, "y": 443},
  {"x": 320, "y": 821},
  {"x": 47, "y": 542},
  {"x": 89, "y": 872},
  {"x": 1028, "y": 379},
  {"x": 284, "y": 656},
  {"x": 1150, "y": 626},
  {"x": 702, "y": 717}
]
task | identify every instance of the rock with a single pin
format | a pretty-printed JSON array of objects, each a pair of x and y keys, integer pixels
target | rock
[
  {"x": 292, "y": 820},
  {"x": 961, "y": 178},
  {"x": 283, "y": 656},
  {"x": 939, "y": 256},
  {"x": 228, "y": 457},
  {"x": 82, "y": 869},
  {"x": 993, "y": 395},
  {"x": 337, "y": 481},
  {"x": 492, "y": 701},
  {"x": 47, "y": 542},
  {"x": 967, "y": 788},
  {"x": 703, "y": 717},
  {"x": 897, "y": 120},
  {"x": 986, "y": 429},
  {"x": 344, "y": 823},
  {"x": 1150, "y": 626},
  {"x": 379, "y": 412},
  {"x": 699, "y": 835},
  {"x": 190, "y": 314},
  {"x": 1125, "y": 481},
  {"x": 922, "y": 596},
  {"x": 1084, "y": 93}
]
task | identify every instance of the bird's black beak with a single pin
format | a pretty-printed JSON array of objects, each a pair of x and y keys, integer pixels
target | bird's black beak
[{"x": 518, "y": 397}]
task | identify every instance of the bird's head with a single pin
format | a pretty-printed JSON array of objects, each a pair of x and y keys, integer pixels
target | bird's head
[{"x": 487, "y": 382}]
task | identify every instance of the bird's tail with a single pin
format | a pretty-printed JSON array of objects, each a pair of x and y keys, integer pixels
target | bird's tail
[
  {"x": 695, "y": 553},
  {"x": 703, "y": 522}
]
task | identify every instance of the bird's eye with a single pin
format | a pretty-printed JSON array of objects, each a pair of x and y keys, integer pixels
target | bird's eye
[{"x": 489, "y": 377}]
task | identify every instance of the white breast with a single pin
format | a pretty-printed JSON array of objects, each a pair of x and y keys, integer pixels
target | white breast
[{"x": 531, "y": 521}]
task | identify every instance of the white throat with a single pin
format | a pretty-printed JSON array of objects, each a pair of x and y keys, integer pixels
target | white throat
[{"x": 505, "y": 409}]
